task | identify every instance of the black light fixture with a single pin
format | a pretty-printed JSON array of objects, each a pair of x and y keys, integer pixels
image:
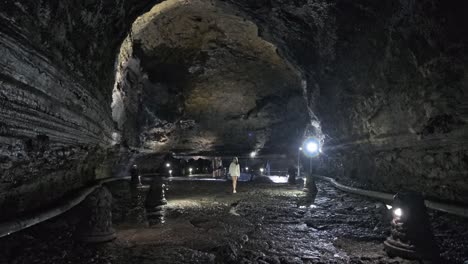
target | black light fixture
[{"x": 411, "y": 234}]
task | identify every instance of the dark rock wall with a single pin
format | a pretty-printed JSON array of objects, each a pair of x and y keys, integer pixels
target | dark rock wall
[
  {"x": 396, "y": 116},
  {"x": 56, "y": 75},
  {"x": 388, "y": 82}
]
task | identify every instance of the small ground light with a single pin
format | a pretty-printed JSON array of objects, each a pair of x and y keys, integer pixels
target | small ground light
[
  {"x": 247, "y": 168},
  {"x": 411, "y": 235},
  {"x": 170, "y": 171},
  {"x": 253, "y": 154},
  {"x": 261, "y": 169},
  {"x": 168, "y": 165},
  {"x": 190, "y": 170}
]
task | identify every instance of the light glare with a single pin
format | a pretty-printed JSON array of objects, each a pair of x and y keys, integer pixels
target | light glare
[
  {"x": 312, "y": 147},
  {"x": 398, "y": 212}
]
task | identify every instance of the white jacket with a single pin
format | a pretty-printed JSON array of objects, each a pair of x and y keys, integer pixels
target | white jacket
[{"x": 234, "y": 169}]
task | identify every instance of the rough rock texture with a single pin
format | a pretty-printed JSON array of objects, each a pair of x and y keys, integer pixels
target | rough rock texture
[
  {"x": 386, "y": 84},
  {"x": 396, "y": 93},
  {"x": 55, "y": 95},
  {"x": 195, "y": 79}
]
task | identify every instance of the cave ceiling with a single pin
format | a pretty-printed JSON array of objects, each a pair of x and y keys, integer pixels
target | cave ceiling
[{"x": 194, "y": 79}]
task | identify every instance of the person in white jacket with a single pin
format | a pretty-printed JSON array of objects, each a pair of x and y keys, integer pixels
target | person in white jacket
[{"x": 234, "y": 171}]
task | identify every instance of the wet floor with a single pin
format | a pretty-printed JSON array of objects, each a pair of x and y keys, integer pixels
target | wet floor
[{"x": 263, "y": 223}]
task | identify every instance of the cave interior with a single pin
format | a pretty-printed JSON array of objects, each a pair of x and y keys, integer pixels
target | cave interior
[{"x": 96, "y": 93}]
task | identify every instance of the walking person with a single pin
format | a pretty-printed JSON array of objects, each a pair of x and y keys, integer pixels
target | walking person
[
  {"x": 234, "y": 171},
  {"x": 135, "y": 175}
]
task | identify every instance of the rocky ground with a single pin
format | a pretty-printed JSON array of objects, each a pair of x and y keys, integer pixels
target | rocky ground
[{"x": 262, "y": 223}]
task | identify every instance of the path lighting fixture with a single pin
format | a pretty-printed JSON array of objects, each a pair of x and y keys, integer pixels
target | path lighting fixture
[
  {"x": 247, "y": 168},
  {"x": 411, "y": 234},
  {"x": 261, "y": 170},
  {"x": 170, "y": 172},
  {"x": 190, "y": 170},
  {"x": 253, "y": 154},
  {"x": 168, "y": 165},
  {"x": 311, "y": 147}
]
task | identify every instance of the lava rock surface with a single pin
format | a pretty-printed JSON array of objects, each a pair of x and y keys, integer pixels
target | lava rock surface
[{"x": 262, "y": 223}]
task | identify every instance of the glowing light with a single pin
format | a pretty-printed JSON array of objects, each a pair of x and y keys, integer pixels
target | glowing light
[
  {"x": 253, "y": 154},
  {"x": 312, "y": 147},
  {"x": 247, "y": 168},
  {"x": 168, "y": 165},
  {"x": 300, "y": 148},
  {"x": 170, "y": 171},
  {"x": 278, "y": 179},
  {"x": 389, "y": 206},
  {"x": 261, "y": 169},
  {"x": 190, "y": 169},
  {"x": 398, "y": 212}
]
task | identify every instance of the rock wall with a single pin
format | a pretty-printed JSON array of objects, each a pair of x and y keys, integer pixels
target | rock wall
[
  {"x": 396, "y": 116},
  {"x": 56, "y": 63},
  {"x": 388, "y": 83}
]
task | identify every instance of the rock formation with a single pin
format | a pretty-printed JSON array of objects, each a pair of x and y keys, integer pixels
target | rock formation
[{"x": 383, "y": 84}]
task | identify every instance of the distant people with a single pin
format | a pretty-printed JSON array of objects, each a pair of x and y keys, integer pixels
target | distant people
[
  {"x": 135, "y": 173},
  {"x": 267, "y": 168},
  {"x": 234, "y": 171},
  {"x": 217, "y": 167},
  {"x": 292, "y": 175},
  {"x": 220, "y": 169}
]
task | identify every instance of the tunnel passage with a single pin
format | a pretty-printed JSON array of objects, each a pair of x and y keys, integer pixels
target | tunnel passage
[
  {"x": 382, "y": 84},
  {"x": 385, "y": 83}
]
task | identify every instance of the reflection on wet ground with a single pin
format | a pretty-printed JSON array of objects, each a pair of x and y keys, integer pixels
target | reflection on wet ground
[{"x": 262, "y": 223}]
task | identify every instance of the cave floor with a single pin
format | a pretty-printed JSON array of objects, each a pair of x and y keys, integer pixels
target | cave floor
[{"x": 262, "y": 223}]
